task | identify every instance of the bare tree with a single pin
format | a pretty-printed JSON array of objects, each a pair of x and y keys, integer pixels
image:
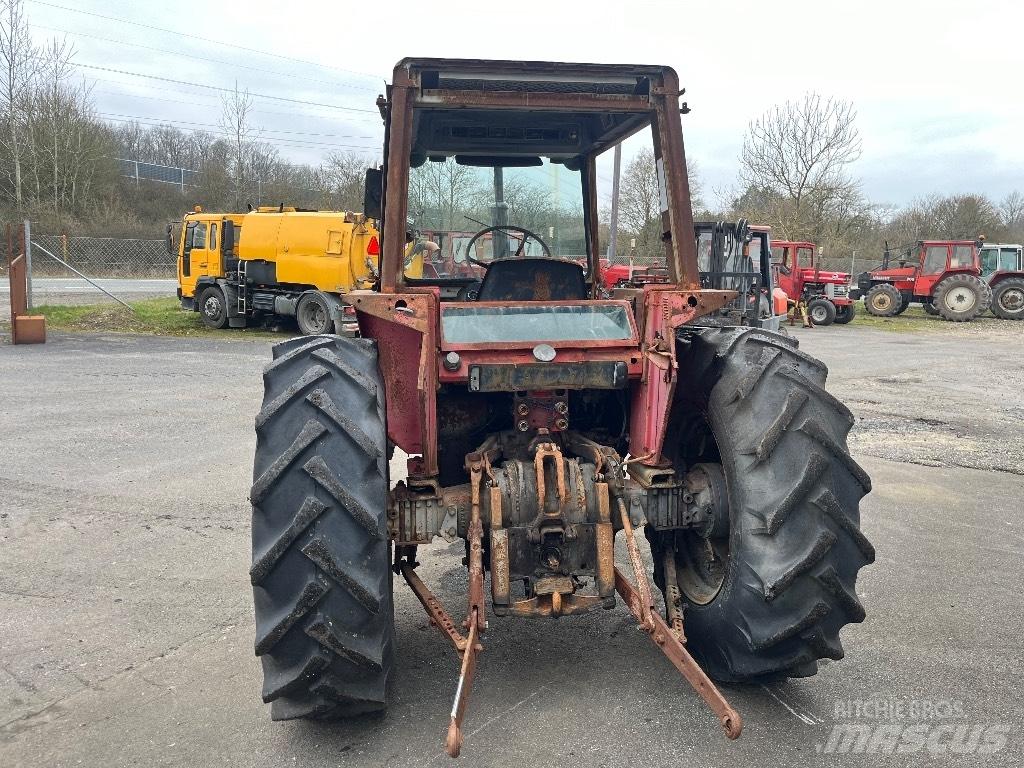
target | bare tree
[
  {"x": 236, "y": 113},
  {"x": 440, "y": 194},
  {"x": 18, "y": 59},
  {"x": 345, "y": 174},
  {"x": 639, "y": 202},
  {"x": 1011, "y": 211},
  {"x": 796, "y": 156}
]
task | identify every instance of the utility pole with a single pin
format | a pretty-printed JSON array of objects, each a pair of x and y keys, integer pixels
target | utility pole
[{"x": 614, "y": 234}]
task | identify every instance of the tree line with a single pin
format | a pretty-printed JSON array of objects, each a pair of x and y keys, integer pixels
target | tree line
[
  {"x": 59, "y": 157},
  {"x": 59, "y": 166}
]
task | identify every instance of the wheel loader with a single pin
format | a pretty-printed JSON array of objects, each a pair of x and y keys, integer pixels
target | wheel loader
[{"x": 542, "y": 420}]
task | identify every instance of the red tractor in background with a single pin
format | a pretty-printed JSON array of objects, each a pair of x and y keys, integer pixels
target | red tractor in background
[
  {"x": 798, "y": 272},
  {"x": 943, "y": 275}
]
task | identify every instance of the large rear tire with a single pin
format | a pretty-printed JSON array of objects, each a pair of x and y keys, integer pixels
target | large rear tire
[
  {"x": 321, "y": 557},
  {"x": 1008, "y": 299},
  {"x": 883, "y": 300},
  {"x": 961, "y": 297},
  {"x": 781, "y": 582},
  {"x": 846, "y": 313}
]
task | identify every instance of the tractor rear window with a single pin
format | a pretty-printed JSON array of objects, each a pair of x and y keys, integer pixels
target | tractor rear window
[
  {"x": 963, "y": 256},
  {"x": 573, "y": 322}
]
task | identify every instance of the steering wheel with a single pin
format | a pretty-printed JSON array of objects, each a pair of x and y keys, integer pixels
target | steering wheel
[{"x": 508, "y": 229}]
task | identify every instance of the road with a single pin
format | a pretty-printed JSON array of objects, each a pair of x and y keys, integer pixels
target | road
[
  {"x": 74, "y": 290},
  {"x": 126, "y": 622}
]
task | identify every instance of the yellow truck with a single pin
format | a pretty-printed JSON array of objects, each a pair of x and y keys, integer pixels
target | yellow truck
[{"x": 239, "y": 269}]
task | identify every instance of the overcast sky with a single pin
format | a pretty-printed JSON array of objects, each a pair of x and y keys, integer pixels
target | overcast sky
[{"x": 937, "y": 85}]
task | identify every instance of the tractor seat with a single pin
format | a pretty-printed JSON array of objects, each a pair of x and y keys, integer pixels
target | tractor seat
[{"x": 534, "y": 279}]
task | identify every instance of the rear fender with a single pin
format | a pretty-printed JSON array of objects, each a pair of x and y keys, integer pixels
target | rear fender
[
  {"x": 664, "y": 311},
  {"x": 405, "y": 328}
]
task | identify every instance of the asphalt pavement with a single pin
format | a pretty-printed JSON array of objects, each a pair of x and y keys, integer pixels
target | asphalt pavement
[{"x": 126, "y": 625}]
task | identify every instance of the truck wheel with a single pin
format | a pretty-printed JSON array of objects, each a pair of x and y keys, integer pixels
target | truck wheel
[
  {"x": 771, "y": 582},
  {"x": 212, "y": 308},
  {"x": 1008, "y": 299},
  {"x": 961, "y": 297},
  {"x": 821, "y": 312},
  {"x": 313, "y": 314},
  {"x": 321, "y": 557},
  {"x": 882, "y": 301},
  {"x": 846, "y": 313}
]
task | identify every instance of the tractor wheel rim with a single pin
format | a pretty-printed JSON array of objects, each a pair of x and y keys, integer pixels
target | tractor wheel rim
[
  {"x": 961, "y": 299},
  {"x": 702, "y": 568},
  {"x": 882, "y": 302},
  {"x": 212, "y": 307},
  {"x": 1012, "y": 300},
  {"x": 818, "y": 314}
]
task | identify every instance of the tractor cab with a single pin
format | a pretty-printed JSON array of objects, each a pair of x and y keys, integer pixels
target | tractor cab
[{"x": 1000, "y": 257}]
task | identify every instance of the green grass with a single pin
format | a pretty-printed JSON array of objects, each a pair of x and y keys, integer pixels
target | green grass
[
  {"x": 162, "y": 317},
  {"x": 913, "y": 319}
]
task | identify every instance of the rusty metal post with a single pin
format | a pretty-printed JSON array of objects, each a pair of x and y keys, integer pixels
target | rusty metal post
[
  {"x": 392, "y": 256},
  {"x": 27, "y": 235},
  {"x": 674, "y": 185}
]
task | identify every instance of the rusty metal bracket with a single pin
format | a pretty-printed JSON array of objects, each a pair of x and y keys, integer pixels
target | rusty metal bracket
[
  {"x": 438, "y": 615},
  {"x": 643, "y": 606},
  {"x": 467, "y": 647},
  {"x": 453, "y": 741},
  {"x": 663, "y": 636},
  {"x": 669, "y": 639},
  {"x": 475, "y": 607}
]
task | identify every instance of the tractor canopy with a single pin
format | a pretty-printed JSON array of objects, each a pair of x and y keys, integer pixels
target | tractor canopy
[{"x": 497, "y": 161}]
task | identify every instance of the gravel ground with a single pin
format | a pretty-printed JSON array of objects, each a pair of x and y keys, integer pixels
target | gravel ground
[{"x": 126, "y": 620}]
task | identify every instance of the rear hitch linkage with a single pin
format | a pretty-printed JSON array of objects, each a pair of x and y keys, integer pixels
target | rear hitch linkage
[{"x": 670, "y": 638}]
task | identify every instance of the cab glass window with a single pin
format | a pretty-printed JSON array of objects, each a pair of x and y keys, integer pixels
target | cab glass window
[
  {"x": 199, "y": 235},
  {"x": 213, "y": 237},
  {"x": 963, "y": 256},
  {"x": 1009, "y": 258},
  {"x": 805, "y": 257},
  {"x": 935, "y": 259}
]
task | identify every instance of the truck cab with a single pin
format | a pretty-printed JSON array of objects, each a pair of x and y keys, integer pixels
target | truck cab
[{"x": 207, "y": 249}]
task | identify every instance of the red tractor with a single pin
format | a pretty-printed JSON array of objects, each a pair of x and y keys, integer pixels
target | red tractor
[
  {"x": 943, "y": 275},
  {"x": 798, "y": 272},
  {"x": 540, "y": 420}
]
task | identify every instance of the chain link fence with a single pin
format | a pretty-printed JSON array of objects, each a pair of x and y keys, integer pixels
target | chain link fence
[{"x": 103, "y": 257}]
